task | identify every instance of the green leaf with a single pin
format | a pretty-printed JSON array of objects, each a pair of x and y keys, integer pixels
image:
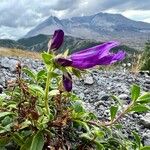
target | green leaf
[
  {"x": 140, "y": 108},
  {"x": 84, "y": 124},
  {"x": 3, "y": 148},
  {"x": 18, "y": 139},
  {"x": 4, "y": 141},
  {"x": 7, "y": 120},
  {"x": 54, "y": 75},
  {"x": 66, "y": 53},
  {"x": 144, "y": 98},
  {"x": 47, "y": 58},
  {"x": 135, "y": 92},
  {"x": 25, "y": 124},
  {"x": 137, "y": 139},
  {"x": 40, "y": 74},
  {"x": 6, "y": 128},
  {"x": 29, "y": 73},
  {"x": 99, "y": 133},
  {"x": 117, "y": 99},
  {"x": 113, "y": 112},
  {"x": 35, "y": 88},
  {"x": 86, "y": 136},
  {"x": 53, "y": 92},
  {"x": 76, "y": 72},
  {"x": 38, "y": 141},
  {"x": 27, "y": 143},
  {"x": 99, "y": 146},
  {"x": 4, "y": 114},
  {"x": 78, "y": 107},
  {"x": 118, "y": 126},
  {"x": 145, "y": 148}
]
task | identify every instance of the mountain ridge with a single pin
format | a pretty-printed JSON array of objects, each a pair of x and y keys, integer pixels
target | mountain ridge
[
  {"x": 39, "y": 43},
  {"x": 100, "y": 27}
]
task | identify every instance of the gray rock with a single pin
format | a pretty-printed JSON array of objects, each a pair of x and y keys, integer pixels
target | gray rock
[
  {"x": 101, "y": 94},
  {"x": 86, "y": 91},
  {"x": 4, "y": 62},
  {"x": 9, "y": 63},
  {"x": 145, "y": 121},
  {"x": 13, "y": 64},
  {"x": 2, "y": 79},
  {"x": 81, "y": 95},
  {"x": 89, "y": 80},
  {"x": 146, "y": 138},
  {"x": 123, "y": 96}
]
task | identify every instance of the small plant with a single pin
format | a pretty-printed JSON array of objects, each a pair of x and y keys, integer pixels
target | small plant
[
  {"x": 146, "y": 58},
  {"x": 136, "y": 63},
  {"x": 40, "y": 112}
]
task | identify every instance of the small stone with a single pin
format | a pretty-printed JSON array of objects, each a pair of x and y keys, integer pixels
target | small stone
[
  {"x": 98, "y": 103},
  {"x": 145, "y": 121},
  {"x": 2, "y": 80},
  {"x": 86, "y": 91},
  {"x": 89, "y": 80},
  {"x": 101, "y": 94},
  {"x": 9, "y": 64},
  {"x": 146, "y": 138},
  {"x": 105, "y": 98},
  {"x": 81, "y": 95},
  {"x": 147, "y": 81},
  {"x": 123, "y": 96}
]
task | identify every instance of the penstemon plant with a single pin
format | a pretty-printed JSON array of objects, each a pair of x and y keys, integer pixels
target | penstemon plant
[{"x": 42, "y": 113}]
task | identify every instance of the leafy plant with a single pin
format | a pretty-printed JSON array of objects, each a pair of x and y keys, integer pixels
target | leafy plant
[
  {"x": 146, "y": 58},
  {"x": 39, "y": 113}
]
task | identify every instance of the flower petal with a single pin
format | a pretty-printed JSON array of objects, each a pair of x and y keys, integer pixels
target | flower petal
[
  {"x": 112, "y": 58},
  {"x": 67, "y": 82},
  {"x": 101, "y": 49},
  {"x": 89, "y": 57}
]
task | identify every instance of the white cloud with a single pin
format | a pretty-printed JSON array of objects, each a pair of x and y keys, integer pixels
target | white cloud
[
  {"x": 139, "y": 15},
  {"x": 18, "y": 16}
]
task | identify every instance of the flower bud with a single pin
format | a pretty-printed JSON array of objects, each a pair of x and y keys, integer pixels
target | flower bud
[
  {"x": 56, "y": 40},
  {"x": 67, "y": 82}
]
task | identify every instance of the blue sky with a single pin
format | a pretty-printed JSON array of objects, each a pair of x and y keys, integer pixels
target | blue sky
[{"x": 17, "y": 17}]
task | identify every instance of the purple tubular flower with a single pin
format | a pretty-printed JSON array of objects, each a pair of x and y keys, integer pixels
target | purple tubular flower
[
  {"x": 64, "y": 62},
  {"x": 56, "y": 40},
  {"x": 97, "y": 55},
  {"x": 67, "y": 82}
]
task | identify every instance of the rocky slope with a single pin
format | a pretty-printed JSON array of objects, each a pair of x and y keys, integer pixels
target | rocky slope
[
  {"x": 101, "y": 26},
  {"x": 95, "y": 89}
]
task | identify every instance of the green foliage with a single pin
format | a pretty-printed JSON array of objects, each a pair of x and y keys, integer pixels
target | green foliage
[
  {"x": 39, "y": 114},
  {"x": 113, "y": 111},
  {"x": 38, "y": 141},
  {"x": 135, "y": 92},
  {"x": 146, "y": 58}
]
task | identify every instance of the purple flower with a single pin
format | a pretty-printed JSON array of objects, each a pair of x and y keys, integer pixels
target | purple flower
[
  {"x": 67, "y": 82},
  {"x": 88, "y": 58},
  {"x": 97, "y": 55},
  {"x": 56, "y": 40}
]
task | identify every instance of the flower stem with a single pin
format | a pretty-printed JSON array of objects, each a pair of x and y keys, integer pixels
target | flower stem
[
  {"x": 47, "y": 90},
  {"x": 98, "y": 124}
]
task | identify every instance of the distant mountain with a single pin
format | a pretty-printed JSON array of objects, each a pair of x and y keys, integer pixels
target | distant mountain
[
  {"x": 11, "y": 44},
  {"x": 39, "y": 43},
  {"x": 100, "y": 27}
]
